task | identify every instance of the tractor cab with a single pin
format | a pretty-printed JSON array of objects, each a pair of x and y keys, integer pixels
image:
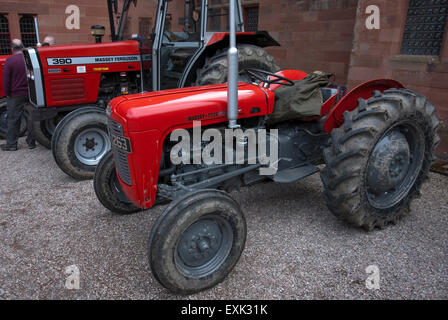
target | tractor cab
[{"x": 177, "y": 42}]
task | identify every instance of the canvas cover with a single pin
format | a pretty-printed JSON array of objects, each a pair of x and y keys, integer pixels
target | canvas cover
[{"x": 303, "y": 100}]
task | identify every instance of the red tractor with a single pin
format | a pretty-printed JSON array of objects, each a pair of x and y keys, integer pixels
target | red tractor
[
  {"x": 70, "y": 86},
  {"x": 377, "y": 144}
]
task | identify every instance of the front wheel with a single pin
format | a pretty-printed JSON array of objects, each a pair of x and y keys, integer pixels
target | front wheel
[
  {"x": 108, "y": 189},
  {"x": 197, "y": 241},
  {"x": 379, "y": 158},
  {"x": 80, "y": 141}
]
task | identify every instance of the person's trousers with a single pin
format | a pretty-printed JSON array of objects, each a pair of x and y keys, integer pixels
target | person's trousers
[{"x": 15, "y": 109}]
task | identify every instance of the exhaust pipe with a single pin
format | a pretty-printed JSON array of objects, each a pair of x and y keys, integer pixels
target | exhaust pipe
[
  {"x": 36, "y": 26},
  {"x": 232, "y": 76}
]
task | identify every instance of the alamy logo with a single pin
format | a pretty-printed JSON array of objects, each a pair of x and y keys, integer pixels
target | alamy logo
[
  {"x": 73, "y": 21},
  {"x": 373, "y": 21},
  {"x": 72, "y": 282},
  {"x": 229, "y": 146},
  {"x": 373, "y": 280}
]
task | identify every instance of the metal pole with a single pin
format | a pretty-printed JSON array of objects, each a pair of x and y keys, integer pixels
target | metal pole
[
  {"x": 36, "y": 26},
  {"x": 232, "y": 76},
  {"x": 187, "y": 16},
  {"x": 111, "y": 20}
]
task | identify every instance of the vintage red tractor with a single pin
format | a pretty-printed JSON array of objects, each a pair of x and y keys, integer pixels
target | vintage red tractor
[
  {"x": 70, "y": 86},
  {"x": 377, "y": 144}
]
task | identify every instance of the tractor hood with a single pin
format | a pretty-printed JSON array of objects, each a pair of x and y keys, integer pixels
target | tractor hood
[
  {"x": 167, "y": 109},
  {"x": 88, "y": 58}
]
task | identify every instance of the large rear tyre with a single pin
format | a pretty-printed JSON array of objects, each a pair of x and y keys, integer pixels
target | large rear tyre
[
  {"x": 4, "y": 120},
  {"x": 197, "y": 241},
  {"x": 80, "y": 141},
  {"x": 108, "y": 189},
  {"x": 249, "y": 56},
  {"x": 380, "y": 158},
  {"x": 43, "y": 130}
]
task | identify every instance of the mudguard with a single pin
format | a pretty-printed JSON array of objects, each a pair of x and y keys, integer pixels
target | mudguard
[
  {"x": 259, "y": 38},
  {"x": 350, "y": 101},
  {"x": 293, "y": 75}
]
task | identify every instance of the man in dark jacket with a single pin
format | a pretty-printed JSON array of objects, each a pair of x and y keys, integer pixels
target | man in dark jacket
[{"x": 15, "y": 84}]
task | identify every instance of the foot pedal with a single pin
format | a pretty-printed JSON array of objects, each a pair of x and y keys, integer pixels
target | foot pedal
[{"x": 293, "y": 175}]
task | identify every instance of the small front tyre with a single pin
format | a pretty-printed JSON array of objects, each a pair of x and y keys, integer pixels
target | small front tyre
[
  {"x": 108, "y": 189},
  {"x": 197, "y": 241}
]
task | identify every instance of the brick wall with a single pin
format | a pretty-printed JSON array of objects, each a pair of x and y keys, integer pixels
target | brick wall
[
  {"x": 376, "y": 54},
  {"x": 314, "y": 34},
  {"x": 51, "y": 15}
]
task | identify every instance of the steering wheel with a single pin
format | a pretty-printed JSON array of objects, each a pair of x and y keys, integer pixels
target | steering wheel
[{"x": 268, "y": 77}]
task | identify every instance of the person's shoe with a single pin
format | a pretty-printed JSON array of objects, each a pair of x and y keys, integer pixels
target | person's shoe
[
  {"x": 5, "y": 147},
  {"x": 32, "y": 146}
]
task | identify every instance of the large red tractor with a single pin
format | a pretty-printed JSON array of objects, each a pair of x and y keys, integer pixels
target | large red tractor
[
  {"x": 70, "y": 86},
  {"x": 377, "y": 144}
]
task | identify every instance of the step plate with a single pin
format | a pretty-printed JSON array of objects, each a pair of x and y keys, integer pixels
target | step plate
[{"x": 293, "y": 175}]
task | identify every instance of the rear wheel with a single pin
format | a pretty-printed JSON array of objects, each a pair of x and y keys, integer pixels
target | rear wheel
[
  {"x": 380, "y": 158},
  {"x": 44, "y": 130},
  {"x": 249, "y": 56},
  {"x": 108, "y": 189},
  {"x": 80, "y": 141},
  {"x": 197, "y": 241}
]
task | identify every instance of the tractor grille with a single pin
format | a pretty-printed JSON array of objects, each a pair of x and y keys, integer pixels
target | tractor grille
[
  {"x": 67, "y": 89},
  {"x": 120, "y": 155}
]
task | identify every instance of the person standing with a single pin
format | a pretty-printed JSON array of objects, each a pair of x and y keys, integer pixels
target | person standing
[
  {"x": 49, "y": 41},
  {"x": 15, "y": 85}
]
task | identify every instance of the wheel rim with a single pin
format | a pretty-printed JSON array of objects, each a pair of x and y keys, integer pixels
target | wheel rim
[
  {"x": 204, "y": 246},
  {"x": 394, "y": 165},
  {"x": 91, "y": 145}
]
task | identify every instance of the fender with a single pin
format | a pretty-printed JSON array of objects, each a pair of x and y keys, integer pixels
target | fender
[
  {"x": 260, "y": 38},
  {"x": 293, "y": 75},
  {"x": 350, "y": 101}
]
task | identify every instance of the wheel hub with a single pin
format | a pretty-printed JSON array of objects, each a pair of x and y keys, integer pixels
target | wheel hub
[
  {"x": 200, "y": 243},
  {"x": 91, "y": 145},
  {"x": 389, "y": 163}
]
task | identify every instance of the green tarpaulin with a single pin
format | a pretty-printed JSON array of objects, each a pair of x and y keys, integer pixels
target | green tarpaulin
[{"x": 303, "y": 100}]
